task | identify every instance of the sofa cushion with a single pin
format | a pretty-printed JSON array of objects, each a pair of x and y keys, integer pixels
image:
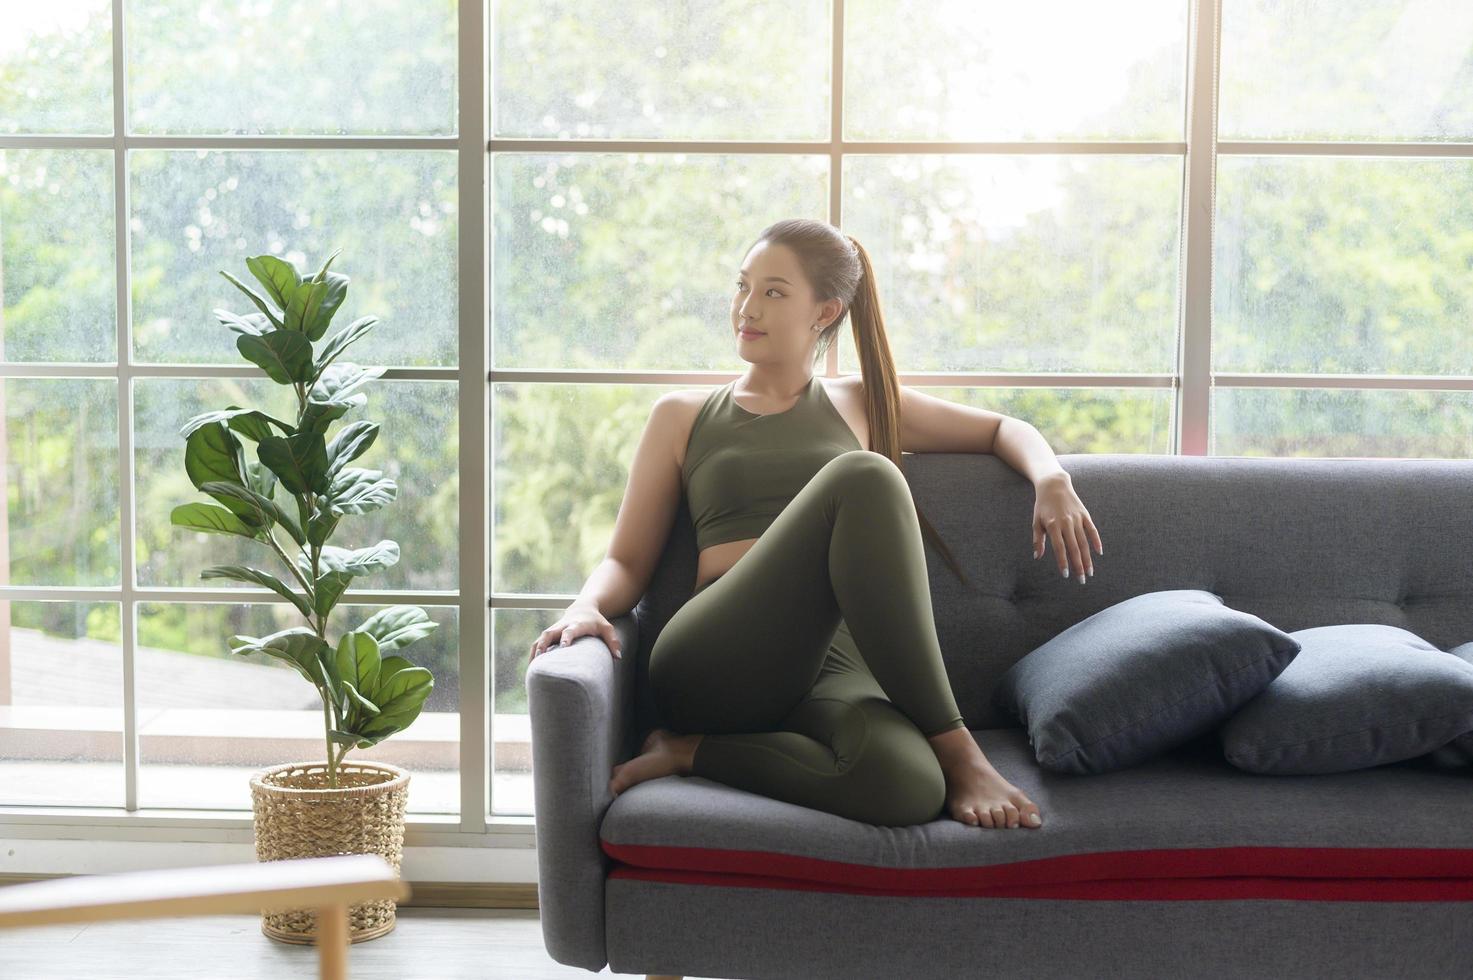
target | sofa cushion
[
  {"x": 1356, "y": 696},
  {"x": 1186, "y": 825},
  {"x": 1457, "y": 754},
  {"x": 1140, "y": 677}
]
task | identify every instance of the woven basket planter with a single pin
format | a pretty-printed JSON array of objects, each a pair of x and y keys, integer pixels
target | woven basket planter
[{"x": 297, "y": 815}]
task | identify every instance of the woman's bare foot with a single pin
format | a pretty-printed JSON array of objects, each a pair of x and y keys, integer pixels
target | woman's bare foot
[
  {"x": 664, "y": 753},
  {"x": 976, "y": 793}
]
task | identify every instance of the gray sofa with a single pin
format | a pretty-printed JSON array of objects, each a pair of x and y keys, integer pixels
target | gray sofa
[{"x": 1185, "y": 866}]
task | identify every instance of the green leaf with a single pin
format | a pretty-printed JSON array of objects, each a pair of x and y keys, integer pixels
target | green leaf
[
  {"x": 302, "y": 309},
  {"x": 256, "y": 426},
  {"x": 299, "y": 461},
  {"x": 330, "y": 588},
  {"x": 233, "y": 415},
  {"x": 403, "y": 689},
  {"x": 285, "y": 356},
  {"x": 357, "y": 660},
  {"x": 323, "y": 271},
  {"x": 279, "y": 277},
  {"x": 396, "y": 627},
  {"x": 252, "y": 507},
  {"x": 343, "y": 738},
  {"x": 319, "y": 414},
  {"x": 240, "y": 573},
  {"x": 399, "y": 699},
  {"x": 335, "y": 290},
  {"x": 340, "y": 379},
  {"x": 358, "y": 491},
  {"x": 352, "y": 441},
  {"x": 360, "y": 561},
  {"x": 211, "y": 453},
  {"x": 391, "y": 665},
  {"x": 298, "y": 646},
  {"x": 211, "y": 456},
  {"x": 211, "y": 519},
  {"x": 260, "y": 303},
  {"x": 361, "y": 703},
  {"x": 248, "y": 422},
  {"x": 261, "y": 480},
  {"x": 254, "y": 324},
  {"x": 320, "y": 528},
  {"x": 339, "y": 341}
]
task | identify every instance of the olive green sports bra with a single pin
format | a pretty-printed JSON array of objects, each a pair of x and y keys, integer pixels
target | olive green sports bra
[{"x": 741, "y": 469}]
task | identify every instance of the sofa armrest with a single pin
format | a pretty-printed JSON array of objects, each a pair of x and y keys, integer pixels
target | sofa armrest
[{"x": 581, "y": 705}]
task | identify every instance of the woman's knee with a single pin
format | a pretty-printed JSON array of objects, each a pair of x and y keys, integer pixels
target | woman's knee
[
  {"x": 863, "y": 467},
  {"x": 898, "y": 773}
]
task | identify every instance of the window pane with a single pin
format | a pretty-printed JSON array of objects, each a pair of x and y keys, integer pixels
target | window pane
[
  {"x": 352, "y": 66},
  {"x": 608, "y": 261},
  {"x": 1343, "y": 266},
  {"x": 1001, "y": 71},
  {"x": 1341, "y": 422},
  {"x": 60, "y": 466},
  {"x": 56, "y": 67},
  {"x": 196, "y": 212},
  {"x": 416, "y": 447},
  {"x": 560, "y": 459},
  {"x": 566, "y": 69},
  {"x": 1020, "y": 263},
  {"x": 58, "y": 284},
  {"x": 513, "y": 632},
  {"x": 1080, "y": 420},
  {"x": 209, "y": 718},
  {"x": 1347, "y": 70},
  {"x": 61, "y": 704}
]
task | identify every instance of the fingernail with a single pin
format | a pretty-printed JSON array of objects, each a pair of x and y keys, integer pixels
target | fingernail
[
  {"x": 1081, "y": 578},
  {"x": 1066, "y": 571},
  {"x": 1033, "y": 819}
]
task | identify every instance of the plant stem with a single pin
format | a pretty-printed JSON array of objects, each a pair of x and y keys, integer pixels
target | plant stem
[
  {"x": 332, "y": 769},
  {"x": 292, "y": 566}
]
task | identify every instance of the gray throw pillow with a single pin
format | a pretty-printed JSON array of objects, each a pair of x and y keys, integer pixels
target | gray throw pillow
[
  {"x": 1139, "y": 678},
  {"x": 1356, "y": 696},
  {"x": 1457, "y": 754}
]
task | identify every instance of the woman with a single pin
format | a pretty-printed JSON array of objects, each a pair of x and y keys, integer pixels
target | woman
[{"x": 806, "y": 665}]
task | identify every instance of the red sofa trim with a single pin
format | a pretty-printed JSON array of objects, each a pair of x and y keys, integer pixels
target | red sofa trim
[{"x": 1316, "y": 873}]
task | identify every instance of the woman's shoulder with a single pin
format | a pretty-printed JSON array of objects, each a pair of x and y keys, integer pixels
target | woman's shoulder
[{"x": 686, "y": 405}]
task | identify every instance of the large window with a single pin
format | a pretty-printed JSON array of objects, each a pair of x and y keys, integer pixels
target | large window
[
  {"x": 1229, "y": 227},
  {"x": 146, "y": 145}
]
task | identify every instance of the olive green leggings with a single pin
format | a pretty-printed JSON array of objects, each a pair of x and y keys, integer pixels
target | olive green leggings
[{"x": 795, "y": 702}]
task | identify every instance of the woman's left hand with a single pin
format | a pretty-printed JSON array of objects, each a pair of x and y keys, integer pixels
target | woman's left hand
[{"x": 1059, "y": 514}]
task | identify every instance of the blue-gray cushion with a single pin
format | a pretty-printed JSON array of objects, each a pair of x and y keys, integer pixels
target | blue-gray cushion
[
  {"x": 1139, "y": 678},
  {"x": 1356, "y": 696},
  {"x": 1457, "y": 754}
]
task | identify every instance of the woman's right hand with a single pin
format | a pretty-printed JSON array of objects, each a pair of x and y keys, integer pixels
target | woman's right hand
[{"x": 575, "y": 622}]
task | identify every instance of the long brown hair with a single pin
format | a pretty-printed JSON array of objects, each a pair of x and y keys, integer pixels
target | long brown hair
[{"x": 838, "y": 267}]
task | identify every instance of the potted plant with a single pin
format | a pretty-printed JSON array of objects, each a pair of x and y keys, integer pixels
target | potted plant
[{"x": 288, "y": 493}]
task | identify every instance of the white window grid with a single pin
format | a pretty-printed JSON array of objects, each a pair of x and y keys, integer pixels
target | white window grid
[{"x": 1191, "y": 379}]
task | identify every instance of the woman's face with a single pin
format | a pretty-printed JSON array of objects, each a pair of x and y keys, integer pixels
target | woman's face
[{"x": 771, "y": 298}]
